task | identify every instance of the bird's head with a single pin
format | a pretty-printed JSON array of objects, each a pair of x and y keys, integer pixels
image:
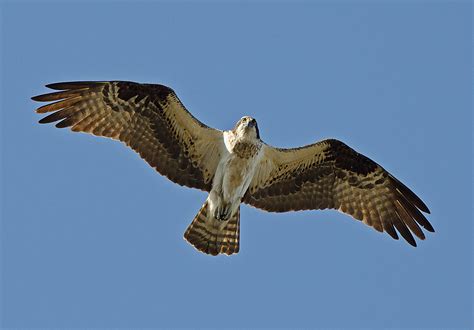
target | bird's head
[{"x": 247, "y": 127}]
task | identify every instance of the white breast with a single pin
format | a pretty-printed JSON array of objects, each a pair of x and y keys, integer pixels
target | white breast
[{"x": 237, "y": 173}]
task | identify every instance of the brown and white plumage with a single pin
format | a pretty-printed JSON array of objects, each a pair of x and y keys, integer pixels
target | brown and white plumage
[
  {"x": 148, "y": 118},
  {"x": 331, "y": 175},
  {"x": 235, "y": 166}
]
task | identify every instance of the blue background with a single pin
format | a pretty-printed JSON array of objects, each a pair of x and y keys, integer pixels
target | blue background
[{"x": 92, "y": 236}]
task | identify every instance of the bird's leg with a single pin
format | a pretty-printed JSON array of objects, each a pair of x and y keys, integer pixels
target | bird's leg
[
  {"x": 220, "y": 204},
  {"x": 223, "y": 211}
]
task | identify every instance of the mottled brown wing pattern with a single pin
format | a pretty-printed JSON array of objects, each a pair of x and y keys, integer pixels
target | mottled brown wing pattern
[
  {"x": 329, "y": 174},
  {"x": 146, "y": 117}
]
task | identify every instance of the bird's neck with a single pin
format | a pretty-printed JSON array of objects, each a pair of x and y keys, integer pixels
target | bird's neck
[{"x": 245, "y": 146}]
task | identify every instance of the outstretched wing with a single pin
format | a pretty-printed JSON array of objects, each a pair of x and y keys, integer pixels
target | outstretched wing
[
  {"x": 148, "y": 118},
  {"x": 329, "y": 174}
]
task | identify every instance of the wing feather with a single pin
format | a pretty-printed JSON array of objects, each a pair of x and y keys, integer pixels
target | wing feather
[
  {"x": 146, "y": 117},
  {"x": 329, "y": 174}
]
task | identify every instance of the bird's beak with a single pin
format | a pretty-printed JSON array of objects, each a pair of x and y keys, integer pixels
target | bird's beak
[{"x": 252, "y": 123}]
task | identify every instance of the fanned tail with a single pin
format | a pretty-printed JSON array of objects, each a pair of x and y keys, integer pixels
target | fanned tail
[{"x": 213, "y": 236}]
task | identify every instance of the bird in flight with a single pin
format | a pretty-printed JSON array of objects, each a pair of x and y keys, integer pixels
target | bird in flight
[{"x": 235, "y": 166}]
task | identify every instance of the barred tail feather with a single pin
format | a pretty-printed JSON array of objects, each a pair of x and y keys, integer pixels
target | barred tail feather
[{"x": 212, "y": 236}]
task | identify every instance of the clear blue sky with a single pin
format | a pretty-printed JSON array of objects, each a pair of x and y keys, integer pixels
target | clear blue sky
[{"x": 92, "y": 237}]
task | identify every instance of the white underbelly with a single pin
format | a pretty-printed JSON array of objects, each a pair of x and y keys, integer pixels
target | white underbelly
[
  {"x": 232, "y": 179},
  {"x": 237, "y": 175}
]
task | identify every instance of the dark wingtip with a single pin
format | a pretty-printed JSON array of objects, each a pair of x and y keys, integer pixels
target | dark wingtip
[
  {"x": 390, "y": 230},
  {"x": 36, "y": 97},
  {"x": 409, "y": 238},
  {"x": 61, "y": 86},
  {"x": 429, "y": 227},
  {"x": 64, "y": 123},
  {"x": 412, "y": 243},
  {"x": 410, "y": 195},
  {"x": 422, "y": 206}
]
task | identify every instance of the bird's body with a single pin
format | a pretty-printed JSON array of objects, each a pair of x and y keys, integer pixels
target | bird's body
[
  {"x": 235, "y": 166},
  {"x": 235, "y": 170},
  {"x": 219, "y": 215}
]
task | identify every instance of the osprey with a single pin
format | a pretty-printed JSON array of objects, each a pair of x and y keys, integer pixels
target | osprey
[{"x": 235, "y": 166}]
